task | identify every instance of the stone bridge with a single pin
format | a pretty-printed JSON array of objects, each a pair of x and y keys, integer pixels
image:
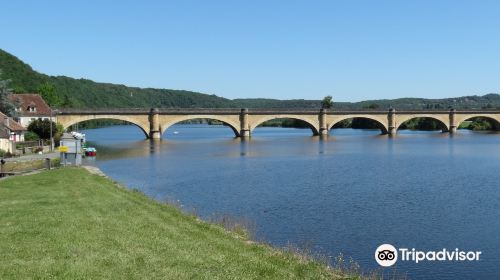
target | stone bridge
[{"x": 154, "y": 122}]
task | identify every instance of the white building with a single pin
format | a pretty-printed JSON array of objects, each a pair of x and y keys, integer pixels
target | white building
[
  {"x": 29, "y": 107},
  {"x": 10, "y": 133}
]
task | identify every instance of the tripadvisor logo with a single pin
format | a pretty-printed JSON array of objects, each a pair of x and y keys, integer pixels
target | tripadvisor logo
[{"x": 387, "y": 255}]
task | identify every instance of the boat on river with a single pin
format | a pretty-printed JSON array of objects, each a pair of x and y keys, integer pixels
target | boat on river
[{"x": 90, "y": 151}]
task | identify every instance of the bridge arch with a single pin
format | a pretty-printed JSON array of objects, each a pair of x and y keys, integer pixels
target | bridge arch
[
  {"x": 493, "y": 119},
  {"x": 378, "y": 120},
  {"x": 255, "y": 121},
  {"x": 442, "y": 120},
  {"x": 165, "y": 124},
  {"x": 67, "y": 121}
]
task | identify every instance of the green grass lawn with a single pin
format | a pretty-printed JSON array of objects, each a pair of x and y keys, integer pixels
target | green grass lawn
[{"x": 69, "y": 224}]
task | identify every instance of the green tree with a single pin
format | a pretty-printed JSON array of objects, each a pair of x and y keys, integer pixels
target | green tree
[
  {"x": 6, "y": 105},
  {"x": 67, "y": 102},
  {"x": 18, "y": 89},
  {"x": 48, "y": 93},
  {"x": 31, "y": 136},
  {"x": 327, "y": 102},
  {"x": 421, "y": 124},
  {"x": 42, "y": 128}
]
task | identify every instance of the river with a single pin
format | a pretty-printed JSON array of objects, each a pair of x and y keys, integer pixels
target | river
[{"x": 346, "y": 194}]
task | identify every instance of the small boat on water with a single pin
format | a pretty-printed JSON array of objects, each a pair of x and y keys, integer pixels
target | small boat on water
[{"x": 90, "y": 152}]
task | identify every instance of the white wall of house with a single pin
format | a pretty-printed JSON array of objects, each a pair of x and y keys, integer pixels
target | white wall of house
[
  {"x": 6, "y": 145},
  {"x": 25, "y": 121}
]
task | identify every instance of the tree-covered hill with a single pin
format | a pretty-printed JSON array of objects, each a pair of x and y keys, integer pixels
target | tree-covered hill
[
  {"x": 83, "y": 93},
  {"x": 86, "y": 93}
]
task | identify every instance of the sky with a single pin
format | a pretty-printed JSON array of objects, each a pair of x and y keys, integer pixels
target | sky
[{"x": 353, "y": 50}]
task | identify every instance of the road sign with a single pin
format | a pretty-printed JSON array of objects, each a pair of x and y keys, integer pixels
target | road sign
[{"x": 63, "y": 149}]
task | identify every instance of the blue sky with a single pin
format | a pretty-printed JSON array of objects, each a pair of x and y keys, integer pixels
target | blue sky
[{"x": 353, "y": 50}]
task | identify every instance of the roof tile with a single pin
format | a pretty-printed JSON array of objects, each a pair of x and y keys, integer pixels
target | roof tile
[
  {"x": 13, "y": 125},
  {"x": 25, "y": 100}
]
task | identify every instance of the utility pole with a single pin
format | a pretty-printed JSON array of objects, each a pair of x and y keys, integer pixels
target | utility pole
[{"x": 51, "y": 136}]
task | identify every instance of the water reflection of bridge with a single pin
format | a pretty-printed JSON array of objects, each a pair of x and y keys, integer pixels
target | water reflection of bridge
[{"x": 154, "y": 122}]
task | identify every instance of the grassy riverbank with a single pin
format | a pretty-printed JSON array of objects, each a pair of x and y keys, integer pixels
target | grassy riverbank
[{"x": 69, "y": 224}]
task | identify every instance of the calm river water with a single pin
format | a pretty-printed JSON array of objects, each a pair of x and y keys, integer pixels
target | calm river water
[{"x": 346, "y": 194}]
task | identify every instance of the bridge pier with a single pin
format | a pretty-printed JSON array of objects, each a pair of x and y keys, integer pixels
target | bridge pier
[
  {"x": 391, "y": 119},
  {"x": 244, "y": 126},
  {"x": 154, "y": 124},
  {"x": 453, "y": 124},
  {"x": 323, "y": 126}
]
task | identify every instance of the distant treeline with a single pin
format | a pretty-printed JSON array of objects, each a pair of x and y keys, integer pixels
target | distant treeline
[
  {"x": 479, "y": 124},
  {"x": 285, "y": 123},
  {"x": 61, "y": 91},
  {"x": 96, "y": 124},
  {"x": 431, "y": 124},
  {"x": 202, "y": 121},
  {"x": 425, "y": 124}
]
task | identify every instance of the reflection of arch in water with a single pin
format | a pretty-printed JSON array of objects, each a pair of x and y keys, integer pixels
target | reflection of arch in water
[
  {"x": 226, "y": 121},
  {"x": 313, "y": 125},
  {"x": 66, "y": 123},
  {"x": 379, "y": 123}
]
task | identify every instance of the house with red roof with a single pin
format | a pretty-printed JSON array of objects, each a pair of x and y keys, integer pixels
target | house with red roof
[
  {"x": 29, "y": 107},
  {"x": 10, "y": 133}
]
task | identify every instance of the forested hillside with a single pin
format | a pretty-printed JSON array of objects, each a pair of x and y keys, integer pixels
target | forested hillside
[
  {"x": 86, "y": 93},
  {"x": 83, "y": 93}
]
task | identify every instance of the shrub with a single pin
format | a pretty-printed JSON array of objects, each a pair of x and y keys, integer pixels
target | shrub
[
  {"x": 42, "y": 128},
  {"x": 31, "y": 136},
  {"x": 5, "y": 154}
]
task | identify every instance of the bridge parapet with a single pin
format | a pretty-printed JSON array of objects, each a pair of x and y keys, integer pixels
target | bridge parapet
[{"x": 260, "y": 111}]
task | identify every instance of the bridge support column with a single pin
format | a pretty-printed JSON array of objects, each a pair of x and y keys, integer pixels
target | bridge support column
[
  {"x": 391, "y": 118},
  {"x": 244, "y": 126},
  {"x": 323, "y": 127},
  {"x": 154, "y": 124},
  {"x": 453, "y": 124}
]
